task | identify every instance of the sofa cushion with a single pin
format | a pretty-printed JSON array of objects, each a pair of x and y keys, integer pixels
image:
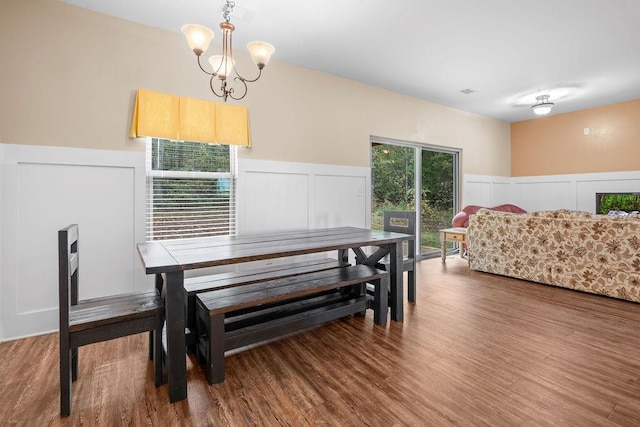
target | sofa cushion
[{"x": 461, "y": 219}]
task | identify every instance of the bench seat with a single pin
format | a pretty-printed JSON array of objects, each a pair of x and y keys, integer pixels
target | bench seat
[
  {"x": 195, "y": 285},
  {"x": 227, "y": 318}
]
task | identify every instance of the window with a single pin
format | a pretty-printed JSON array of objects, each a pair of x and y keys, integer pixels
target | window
[{"x": 190, "y": 189}]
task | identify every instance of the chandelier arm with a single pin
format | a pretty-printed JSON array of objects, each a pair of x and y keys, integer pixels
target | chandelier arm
[
  {"x": 248, "y": 80},
  {"x": 205, "y": 71},
  {"x": 223, "y": 95},
  {"x": 244, "y": 93}
]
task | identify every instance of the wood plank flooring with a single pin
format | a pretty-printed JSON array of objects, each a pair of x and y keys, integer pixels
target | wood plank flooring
[{"x": 476, "y": 349}]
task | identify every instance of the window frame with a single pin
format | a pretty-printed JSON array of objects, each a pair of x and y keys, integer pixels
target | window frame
[{"x": 151, "y": 174}]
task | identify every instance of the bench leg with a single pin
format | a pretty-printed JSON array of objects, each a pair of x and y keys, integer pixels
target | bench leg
[
  {"x": 191, "y": 322},
  {"x": 215, "y": 353},
  {"x": 157, "y": 350},
  {"x": 381, "y": 301},
  {"x": 360, "y": 290},
  {"x": 151, "y": 345},
  {"x": 160, "y": 286}
]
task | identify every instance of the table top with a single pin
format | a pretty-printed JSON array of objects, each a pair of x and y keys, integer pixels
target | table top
[
  {"x": 457, "y": 230},
  {"x": 163, "y": 256}
]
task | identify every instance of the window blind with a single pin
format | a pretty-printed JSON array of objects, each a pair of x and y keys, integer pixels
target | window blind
[{"x": 191, "y": 189}]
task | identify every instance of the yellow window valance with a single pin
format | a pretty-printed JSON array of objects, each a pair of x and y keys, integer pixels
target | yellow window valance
[{"x": 162, "y": 115}]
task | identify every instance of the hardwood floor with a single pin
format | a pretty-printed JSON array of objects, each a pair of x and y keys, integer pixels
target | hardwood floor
[{"x": 476, "y": 349}]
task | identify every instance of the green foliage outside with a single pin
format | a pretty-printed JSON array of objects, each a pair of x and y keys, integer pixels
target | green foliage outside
[
  {"x": 394, "y": 189},
  {"x": 619, "y": 202},
  {"x": 189, "y": 156}
]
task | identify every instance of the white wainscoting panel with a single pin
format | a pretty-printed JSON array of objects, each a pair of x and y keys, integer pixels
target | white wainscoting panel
[
  {"x": 271, "y": 196},
  {"x": 482, "y": 190},
  {"x": 548, "y": 192},
  {"x": 275, "y": 201},
  {"x": 291, "y": 196},
  {"x": 544, "y": 195},
  {"x": 501, "y": 193},
  {"x": 340, "y": 201},
  {"x": 46, "y": 188},
  {"x": 477, "y": 193}
]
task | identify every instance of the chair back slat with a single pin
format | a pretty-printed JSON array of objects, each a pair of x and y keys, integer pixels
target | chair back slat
[
  {"x": 73, "y": 273},
  {"x": 401, "y": 222},
  {"x": 73, "y": 263}
]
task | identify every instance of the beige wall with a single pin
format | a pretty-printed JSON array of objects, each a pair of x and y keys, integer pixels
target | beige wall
[
  {"x": 557, "y": 144},
  {"x": 69, "y": 78}
]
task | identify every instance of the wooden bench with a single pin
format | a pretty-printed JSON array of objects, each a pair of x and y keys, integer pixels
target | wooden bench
[
  {"x": 227, "y": 318},
  {"x": 196, "y": 285}
]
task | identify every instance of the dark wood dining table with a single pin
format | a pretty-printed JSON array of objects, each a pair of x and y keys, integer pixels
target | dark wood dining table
[{"x": 169, "y": 259}]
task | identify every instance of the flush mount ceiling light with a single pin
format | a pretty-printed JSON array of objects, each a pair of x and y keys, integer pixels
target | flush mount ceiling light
[
  {"x": 223, "y": 66},
  {"x": 542, "y": 106},
  {"x": 528, "y": 98}
]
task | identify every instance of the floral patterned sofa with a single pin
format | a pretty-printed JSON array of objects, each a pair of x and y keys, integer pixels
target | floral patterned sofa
[{"x": 592, "y": 253}]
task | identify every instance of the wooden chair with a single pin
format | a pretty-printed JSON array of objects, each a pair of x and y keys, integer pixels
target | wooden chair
[
  {"x": 100, "y": 319},
  {"x": 403, "y": 222}
]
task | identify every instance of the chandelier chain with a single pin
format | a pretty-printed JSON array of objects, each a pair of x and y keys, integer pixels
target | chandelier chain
[{"x": 227, "y": 9}]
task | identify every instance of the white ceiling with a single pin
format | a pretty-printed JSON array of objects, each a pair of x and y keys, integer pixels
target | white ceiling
[{"x": 432, "y": 49}]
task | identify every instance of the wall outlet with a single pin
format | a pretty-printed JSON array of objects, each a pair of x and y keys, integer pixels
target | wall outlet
[{"x": 587, "y": 131}]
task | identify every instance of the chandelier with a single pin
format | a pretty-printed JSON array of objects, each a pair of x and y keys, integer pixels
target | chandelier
[
  {"x": 542, "y": 106},
  {"x": 223, "y": 66}
]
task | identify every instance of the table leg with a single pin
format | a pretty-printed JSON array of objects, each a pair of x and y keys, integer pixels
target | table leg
[
  {"x": 343, "y": 256},
  {"x": 464, "y": 248},
  {"x": 395, "y": 273},
  {"x": 176, "y": 356},
  {"x": 443, "y": 247}
]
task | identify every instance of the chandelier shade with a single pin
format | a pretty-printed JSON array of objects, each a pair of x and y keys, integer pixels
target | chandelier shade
[
  {"x": 222, "y": 65},
  {"x": 260, "y": 52},
  {"x": 198, "y": 37},
  {"x": 225, "y": 81}
]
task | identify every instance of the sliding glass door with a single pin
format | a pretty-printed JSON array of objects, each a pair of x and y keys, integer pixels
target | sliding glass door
[
  {"x": 438, "y": 204},
  {"x": 393, "y": 180},
  {"x": 430, "y": 189}
]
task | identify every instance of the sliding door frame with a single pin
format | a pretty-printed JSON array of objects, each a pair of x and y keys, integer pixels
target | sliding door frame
[{"x": 418, "y": 148}]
